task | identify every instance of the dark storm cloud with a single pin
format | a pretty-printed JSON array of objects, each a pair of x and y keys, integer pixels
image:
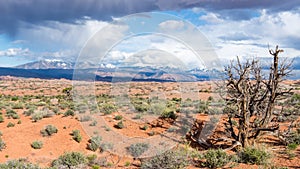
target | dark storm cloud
[{"x": 36, "y": 11}]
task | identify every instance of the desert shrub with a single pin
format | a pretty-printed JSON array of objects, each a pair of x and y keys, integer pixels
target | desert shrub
[
  {"x": 17, "y": 106},
  {"x": 292, "y": 146},
  {"x": 216, "y": 158},
  {"x": 76, "y": 136},
  {"x": 294, "y": 137},
  {"x": 10, "y": 124},
  {"x": 137, "y": 149},
  {"x": 29, "y": 112},
  {"x": 40, "y": 114},
  {"x": 120, "y": 125},
  {"x": 85, "y": 118},
  {"x": 141, "y": 106},
  {"x": 12, "y": 114},
  {"x": 14, "y": 98},
  {"x": 172, "y": 159},
  {"x": 69, "y": 113},
  {"x": 94, "y": 143},
  {"x": 70, "y": 160},
  {"x": 1, "y": 119},
  {"x": 169, "y": 113},
  {"x": 49, "y": 130},
  {"x": 37, "y": 144},
  {"x": 19, "y": 164},
  {"x": 106, "y": 146},
  {"x": 107, "y": 108},
  {"x": 254, "y": 155},
  {"x": 94, "y": 123},
  {"x": 118, "y": 117},
  {"x": 2, "y": 144},
  {"x": 36, "y": 116},
  {"x": 145, "y": 127}
]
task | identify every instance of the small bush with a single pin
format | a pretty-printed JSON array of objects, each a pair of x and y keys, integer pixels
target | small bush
[
  {"x": 292, "y": 146},
  {"x": 10, "y": 124},
  {"x": 253, "y": 155},
  {"x": 145, "y": 127},
  {"x": 69, "y": 113},
  {"x": 69, "y": 160},
  {"x": 216, "y": 158},
  {"x": 19, "y": 164},
  {"x": 106, "y": 146},
  {"x": 76, "y": 136},
  {"x": 1, "y": 119},
  {"x": 94, "y": 143},
  {"x": 169, "y": 113},
  {"x": 120, "y": 125},
  {"x": 137, "y": 149},
  {"x": 2, "y": 144},
  {"x": 37, "y": 144},
  {"x": 172, "y": 159},
  {"x": 12, "y": 114},
  {"x": 108, "y": 108},
  {"x": 49, "y": 130},
  {"x": 85, "y": 118},
  {"x": 118, "y": 117},
  {"x": 94, "y": 123}
]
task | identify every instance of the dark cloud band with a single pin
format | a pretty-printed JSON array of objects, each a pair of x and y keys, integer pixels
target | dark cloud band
[{"x": 36, "y": 11}]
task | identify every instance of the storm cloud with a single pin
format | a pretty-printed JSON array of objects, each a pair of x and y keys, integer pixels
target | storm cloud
[{"x": 14, "y": 12}]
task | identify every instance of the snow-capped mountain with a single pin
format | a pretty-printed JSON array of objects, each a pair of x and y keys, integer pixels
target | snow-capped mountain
[{"x": 47, "y": 64}]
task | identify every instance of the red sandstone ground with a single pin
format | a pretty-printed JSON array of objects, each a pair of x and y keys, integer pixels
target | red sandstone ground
[{"x": 19, "y": 138}]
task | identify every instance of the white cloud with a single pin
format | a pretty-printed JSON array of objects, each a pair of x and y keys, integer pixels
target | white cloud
[
  {"x": 251, "y": 37},
  {"x": 11, "y": 52},
  {"x": 213, "y": 18},
  {"x": 171, "y": 25},
  {"x": 64, "y": 39}
]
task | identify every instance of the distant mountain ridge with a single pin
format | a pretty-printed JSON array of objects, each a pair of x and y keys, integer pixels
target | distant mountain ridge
[{"x": 57, "y": 69}]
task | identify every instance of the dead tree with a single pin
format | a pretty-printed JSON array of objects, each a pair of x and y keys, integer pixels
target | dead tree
[{"x": 251, "y": 97}]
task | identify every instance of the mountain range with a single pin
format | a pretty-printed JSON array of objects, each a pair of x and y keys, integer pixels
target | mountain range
[{"x": 57, "y": 69}]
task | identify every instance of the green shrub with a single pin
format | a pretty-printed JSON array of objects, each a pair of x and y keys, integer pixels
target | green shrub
[
  {"x": 1, "y": 119},
  {"x": 292, "y": 146},
  {"x": 69, "y": 113},
  {"x": 69, "y": 160},
  {"x": 294, "y": 137},
  {"x": 19, "y": 164},
  {"x": 145, "y": 127},
  {"x": 2, "y": 144},
  {"x": 10, "y": 124},
  {"x": 17, "y": 106},
  {"x": 12, "y": 114},
  {"x": 85, "y": 118},
  {"x": 169, "y": 113},
  {"x": 137, "y": 149},
  {"x": 120, "y": 125},
  {"x": 118, "y": 117},
  {"x": 216, "y": 158},
  {"x": 107, "y": 108},
  {"x": 14, "y": 98},
  {"x": 37, "y": 144},
  {"x": 94, "y": 123},
  {"x": 172, "y": 159},
  {"x": 40, "y": 114},
  {"x": 94, "y": 143},
  {"x": 48, "y": 130},
  {"x": 106, "y": 146},
  {"x": 76, "y": 136},
  {"x": 253, "y": 155}
]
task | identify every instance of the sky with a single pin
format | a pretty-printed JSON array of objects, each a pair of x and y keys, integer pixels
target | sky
[{"x": 168, "y": 32}]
